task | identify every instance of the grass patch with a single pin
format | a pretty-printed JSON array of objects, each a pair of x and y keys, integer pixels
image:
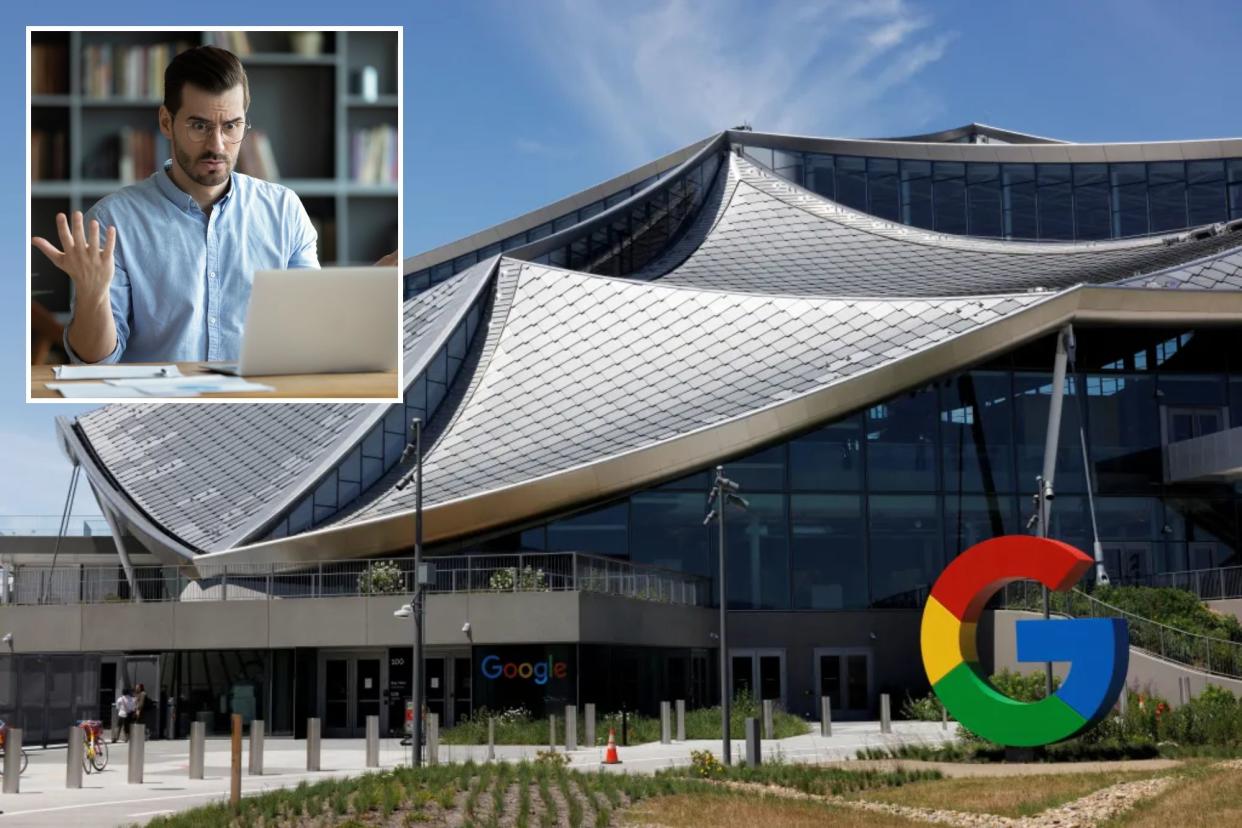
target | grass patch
[
  {"x": 519, "y": 727},
  {"x": 1002, "y": 796},
  {"x": 730, "y": 810},
  {"x": 811, "y": 779},
  {"x": 1206, "y": 797}
]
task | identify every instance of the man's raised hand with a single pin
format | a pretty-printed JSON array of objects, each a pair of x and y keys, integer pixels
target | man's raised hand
[{"x": 89, "y": 264}]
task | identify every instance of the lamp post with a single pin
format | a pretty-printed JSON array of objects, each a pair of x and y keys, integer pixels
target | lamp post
[
  {"x": 415, "y": 608},
  {"x": 723, "y": 492}
]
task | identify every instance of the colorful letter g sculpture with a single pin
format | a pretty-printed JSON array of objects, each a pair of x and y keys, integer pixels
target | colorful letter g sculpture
[{"x": 1098, "y": 649}]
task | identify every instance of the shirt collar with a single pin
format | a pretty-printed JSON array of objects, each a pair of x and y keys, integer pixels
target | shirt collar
[{"x": 181, "y": 198}]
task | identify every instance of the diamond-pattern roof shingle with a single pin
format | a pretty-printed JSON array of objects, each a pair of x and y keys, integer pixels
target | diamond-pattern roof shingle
[
  {"x": 1220, "y": 271},
  {"x": 588, "y": 367},
  {"x": 775, "y": 237}
]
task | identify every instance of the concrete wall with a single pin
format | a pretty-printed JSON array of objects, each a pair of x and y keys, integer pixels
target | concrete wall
[
  {"x": 1228, "y": 606},
  {"x": 352, "y": 622},
  {"x": 1147, "y": 673}
]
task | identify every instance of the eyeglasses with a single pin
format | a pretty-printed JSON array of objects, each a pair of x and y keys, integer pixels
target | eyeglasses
[{"x": 232, "y": 132}]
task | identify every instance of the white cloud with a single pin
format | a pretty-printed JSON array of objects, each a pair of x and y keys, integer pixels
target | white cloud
[{"x": 655, "y": 76}]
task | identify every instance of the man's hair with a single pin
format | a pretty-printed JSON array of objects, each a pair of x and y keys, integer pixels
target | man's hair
[{"x": 209, "y": 68}]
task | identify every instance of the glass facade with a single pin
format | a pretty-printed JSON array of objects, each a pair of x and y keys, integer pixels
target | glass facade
[
  {"x": 1062, "y": 202},
  {"x": 627, "y": 243},
  {"x": 866, "y": 511},
  {"x": 381, "y": 447}
]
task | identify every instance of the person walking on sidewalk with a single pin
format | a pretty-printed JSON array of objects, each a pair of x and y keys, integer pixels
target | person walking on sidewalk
[{"x": 125, "y": 712}]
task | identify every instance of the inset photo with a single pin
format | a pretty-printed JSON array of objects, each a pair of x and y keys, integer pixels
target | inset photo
[{"x": 214, "y": 214}]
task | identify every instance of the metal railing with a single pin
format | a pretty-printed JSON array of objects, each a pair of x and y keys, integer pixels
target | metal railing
[
  {"x": 1218, "y": 656},
  {"x": 1208, "y": 584},
  {"x": 49, "y": 525},
  {"x": 518, "y": 572}
]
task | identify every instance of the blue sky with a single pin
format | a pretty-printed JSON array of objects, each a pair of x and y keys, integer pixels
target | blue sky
[{"x": 510, "y": 105}]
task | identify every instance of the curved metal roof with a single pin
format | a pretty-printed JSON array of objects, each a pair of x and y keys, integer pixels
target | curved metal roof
[{"x": 776, "y": 310}]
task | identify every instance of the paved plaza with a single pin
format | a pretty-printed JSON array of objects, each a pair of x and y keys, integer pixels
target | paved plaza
[{"x": 108, "y": 799}]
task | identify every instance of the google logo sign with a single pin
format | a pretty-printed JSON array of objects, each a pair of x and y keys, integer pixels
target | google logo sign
[
  {"x": 539, "y": 672},
  {"x": 1098, "y": 649}
]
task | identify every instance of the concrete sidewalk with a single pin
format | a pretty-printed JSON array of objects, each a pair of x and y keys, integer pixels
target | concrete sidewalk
[{"x": 107, "y": 799}]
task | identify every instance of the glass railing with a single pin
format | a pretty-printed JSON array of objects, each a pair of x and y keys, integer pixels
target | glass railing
[
  {"x": 49, "y": 525},
  {"x": 456, "y": 574},
  {"x": 1217, "y": 656}
]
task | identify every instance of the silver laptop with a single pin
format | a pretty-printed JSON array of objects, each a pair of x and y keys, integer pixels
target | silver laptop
[{"x": 333, "y": 320}]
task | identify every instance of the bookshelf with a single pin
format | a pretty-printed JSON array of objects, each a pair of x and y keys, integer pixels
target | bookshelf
[{"x": 309, "y": 107}]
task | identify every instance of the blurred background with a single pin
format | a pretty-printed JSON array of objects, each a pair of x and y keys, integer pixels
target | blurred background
[{"x": 323, "y": 105}]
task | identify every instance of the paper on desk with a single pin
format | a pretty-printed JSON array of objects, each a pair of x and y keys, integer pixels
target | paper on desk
[
  {"x": 83, "y": 390},
  {"x": 107, "y": 372},
  {"x": 190, "y": 386}
]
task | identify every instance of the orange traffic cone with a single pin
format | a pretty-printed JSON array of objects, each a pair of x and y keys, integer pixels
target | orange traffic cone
[{"x": 610, "y": 755}]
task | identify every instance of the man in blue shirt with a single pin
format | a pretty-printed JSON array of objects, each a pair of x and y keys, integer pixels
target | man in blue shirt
[{"x": 170, "y": 278}]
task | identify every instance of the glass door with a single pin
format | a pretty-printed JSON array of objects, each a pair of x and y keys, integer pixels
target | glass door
[
  {"x": 759, "y": 673},
  {"x": 351, "y": 688},
  {"x": 434, "y": 686},
  {"x": 336, "y": 697},
  {"x": 1128, "y": 562},
  {"x": 461, "y": 689},
  {"x": 845, "y": 676}
]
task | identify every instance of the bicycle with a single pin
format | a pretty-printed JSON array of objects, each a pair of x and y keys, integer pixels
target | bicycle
[
  {"x": 94, "y": 746},
  {"x": 4, "y": 734}
]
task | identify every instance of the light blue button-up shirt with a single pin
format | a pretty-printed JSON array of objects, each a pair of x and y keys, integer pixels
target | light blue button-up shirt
[{"x": 182, "y": 281}]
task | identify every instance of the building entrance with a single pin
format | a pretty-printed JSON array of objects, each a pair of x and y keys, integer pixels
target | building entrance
[
  {"x": 351, "y": 685},
  {"x": 845, "y": 676},
  {"x": 760, "y": 673}
]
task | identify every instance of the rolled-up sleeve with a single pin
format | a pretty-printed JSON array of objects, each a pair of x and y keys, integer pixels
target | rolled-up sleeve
[{"x": 305, "y": 252}]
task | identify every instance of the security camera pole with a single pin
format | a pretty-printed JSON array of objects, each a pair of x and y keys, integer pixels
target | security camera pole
[
  {"x": 416, "y": 603},
  {"x": 723, "y": 492}
]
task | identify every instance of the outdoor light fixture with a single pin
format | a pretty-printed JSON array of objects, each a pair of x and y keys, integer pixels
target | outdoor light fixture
[
  {"x": 723, "y": 492},
  {"x": 415, "y": 609}
]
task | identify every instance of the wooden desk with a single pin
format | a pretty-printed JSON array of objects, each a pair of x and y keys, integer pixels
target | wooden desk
[{"x": 377, "y": 385}]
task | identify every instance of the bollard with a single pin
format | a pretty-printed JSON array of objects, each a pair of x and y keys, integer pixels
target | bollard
[
  {"x": 768, "y": 728},
  {"x": 312, "y": 744},
  {"x": 491, "y": 739},
  {"x": 681, "y": 720},
  {"x": 372, "y": 741},
  {"x": 137, "y": 752},
  {"x": 753, "y": 757},
  {"x": 944, "y": 717},
  {"x": 590, "y": 724},
  {"x": 12, "y": 759},
  {"x": 886, "y": 720},
  {"x": 235, "y": 760},
  {"x": 571, "y": 727},
  {"x": 73, "y": 758},
  {"x": 433, "y": 738},
  {"x": 666, "y": 725},
  {"x": 825, "y": 715},
  {"x": 257, "y": 734},
  {"x": 198, "y": 749},
  {"x": 1123, "y": 701},
  {"x": 1183, "y": 690},
  {"x": 552, "y": 731}
]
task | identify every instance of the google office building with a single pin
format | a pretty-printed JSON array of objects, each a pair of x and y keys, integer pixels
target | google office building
[{"x": 864, "y": 333}]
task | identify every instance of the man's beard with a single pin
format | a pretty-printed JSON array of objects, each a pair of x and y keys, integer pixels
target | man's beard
[{"x": 189, "y": 166}]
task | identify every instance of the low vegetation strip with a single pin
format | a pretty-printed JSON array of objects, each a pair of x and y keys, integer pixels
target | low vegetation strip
[{"x": 519, "y": 727}]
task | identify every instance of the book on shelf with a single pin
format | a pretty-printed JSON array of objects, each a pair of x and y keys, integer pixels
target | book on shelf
[
  {"x": 126, "y": 71},
  {"x": 129, "y": 155},
  {"x": 49, "y": 68},
  {"x": 48, "y": 155},
  {"x": 373, "y": 155},
  {"x": 256, "y": 158},
  {"x": 236, "y": 42}
]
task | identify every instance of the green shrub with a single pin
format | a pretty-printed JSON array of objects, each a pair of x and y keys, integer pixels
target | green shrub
[
  {"x": 526, "y": 579},
  {"x": 923, "y": 709},
  {"x": 381, "y": 578}
]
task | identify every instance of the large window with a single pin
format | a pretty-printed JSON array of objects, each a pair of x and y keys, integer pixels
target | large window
[
  {"x": 1056, "y": 201},
  {"x": 829, "y": 558},
  {"x": 865, "y": 511}
]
